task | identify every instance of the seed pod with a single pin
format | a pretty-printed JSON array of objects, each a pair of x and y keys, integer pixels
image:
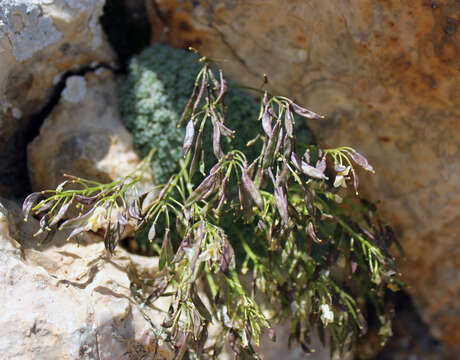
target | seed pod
[
  {"x": 228, "y": 257},
  {"x": 312, "y": 171},
  {"x": 252, "y": 189},
  {"x": 60, "y": 215},
  {"x": 134, "y": 211},
  {"x": 296, "y": 161},
  {"x": 270, "y": 153},
  {"x": 207, "y": 184},
  {"x": 223, "y": 88},
  {"x": 78, "y": 221},
  {"x": 196, "y": 153},
  {"x": 152, "y": 233},
  {"x": 289, "y": 122},
  {"x": 355, "y": 180},
  {"x": 282, "y": 205},
  {"x": 189, "y": 135},
  {"x": 360, "y": 160},
  {"x": 166, "y": 250},
  {"x": 312, "y": 234},
  {"x": 87, "y": 200},
  {"x": 321, "y": 165},
  {"x": 299, "y": 110},
  {"x": 267, "y": 123},
  {"x": 29, "y": 203},
  {"x": 201, "y": 92},
  {"x": 188, "y": 111},
  {"x": 287, "y": 147},
  {"x": 225, "y": 131},
  {"x": 216, "y": 141}
]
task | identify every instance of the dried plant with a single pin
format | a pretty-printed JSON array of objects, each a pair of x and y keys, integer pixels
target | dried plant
[{"x": 276, "y": 221}]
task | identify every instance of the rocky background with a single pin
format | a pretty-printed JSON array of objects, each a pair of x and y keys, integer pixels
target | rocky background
[{"x": 386, "y": 74}]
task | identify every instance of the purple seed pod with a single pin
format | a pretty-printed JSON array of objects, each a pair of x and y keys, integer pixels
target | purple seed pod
[
  {"x": 29, "y": 203},
  {"x": 252, "y": 189},
  {"x": 87, "y": 200},
  {"x": 321, "y": 164},
  {"x": 299, "y": 110},
  {"x": 267, "y": 123},
  {"x": 270, "y": 153},
  {"x": 223, "y": 88},
  {"x": 216, "y": 141},
  {"x": 312, "y": 171},
  {"x": 311, "y": 233},
  {"x": 61, "y": 213},
  {"x": 189, "y": 135},
  {"x": 360, "y": 160},
  {"x": 287, "y": 146},
  {"x": 296, "y": 161},
  {"x": 289, "y": 122},
  {"x": 200, "y": 94},
  {"x": 282, "y": 204},
  {"x": 188, "y": 112}
]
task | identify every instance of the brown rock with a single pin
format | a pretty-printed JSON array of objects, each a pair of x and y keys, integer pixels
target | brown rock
[
  {"x": 386, "y": 75},
  {"x": 83, "y": 136},
  {"x": 39, "y": 42}
]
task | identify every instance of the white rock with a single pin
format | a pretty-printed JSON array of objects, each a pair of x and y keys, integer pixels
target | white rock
[{"x": 67, "y": 301}]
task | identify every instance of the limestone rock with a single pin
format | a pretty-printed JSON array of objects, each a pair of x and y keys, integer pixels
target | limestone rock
[
  {"x": 68, "y": 301},
  {"x": 39, "y": 42},
  {"x": 83, "y": 136},
  {"x": 386, "y": 75}
]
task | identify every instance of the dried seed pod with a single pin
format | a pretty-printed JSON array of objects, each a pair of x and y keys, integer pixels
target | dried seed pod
[
  {"x": 166, "y": 250},
  {"x": 196, "y": 153},
  {"x": 201, "y": 92},
  {"x": 206, "y": 185},
  {"x": 282, "y": 204}
]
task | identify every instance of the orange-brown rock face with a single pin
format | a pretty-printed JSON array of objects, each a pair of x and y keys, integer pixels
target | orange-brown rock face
[{"x": 387, "y": 76}]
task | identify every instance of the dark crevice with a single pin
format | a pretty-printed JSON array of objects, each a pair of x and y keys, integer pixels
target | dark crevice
[
  {"x": 411, "y": 336},
  {"x": 127, "y": 28},
  {"x": 13, "y": 159}
]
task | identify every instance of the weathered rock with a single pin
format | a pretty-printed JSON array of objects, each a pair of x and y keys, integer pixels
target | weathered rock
[
  {"x": 69, "y": 301},
  {"x": 386, "y": 75},
  {"x": 83, "y": 135},
  {"x": 39, "y": 42}
]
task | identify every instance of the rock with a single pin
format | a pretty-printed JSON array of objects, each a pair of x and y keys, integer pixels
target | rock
[
  {"x": 386, "y": 75},
  {"x": 39, "y": 42},
  {"x": 67, "y": 300},
  {"x": 83, "y": 135}
]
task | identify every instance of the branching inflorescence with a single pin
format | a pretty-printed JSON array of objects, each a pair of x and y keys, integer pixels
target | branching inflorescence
[{"x": 271, "y": 226}]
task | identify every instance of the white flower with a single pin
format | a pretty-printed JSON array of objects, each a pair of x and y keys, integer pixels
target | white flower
[
  {"x": 327, "y": 316},
  {"x": 97, "y": 219},
  {"x": 341, "y": 177}
]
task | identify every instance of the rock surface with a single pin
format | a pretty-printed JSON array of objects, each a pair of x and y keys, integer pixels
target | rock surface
[
  {"x": 386, "y": 75},
  {"x": 67, "y": 300},
  {"x": 39, "y": 42},
  {"x": 83, "y": 135}
]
